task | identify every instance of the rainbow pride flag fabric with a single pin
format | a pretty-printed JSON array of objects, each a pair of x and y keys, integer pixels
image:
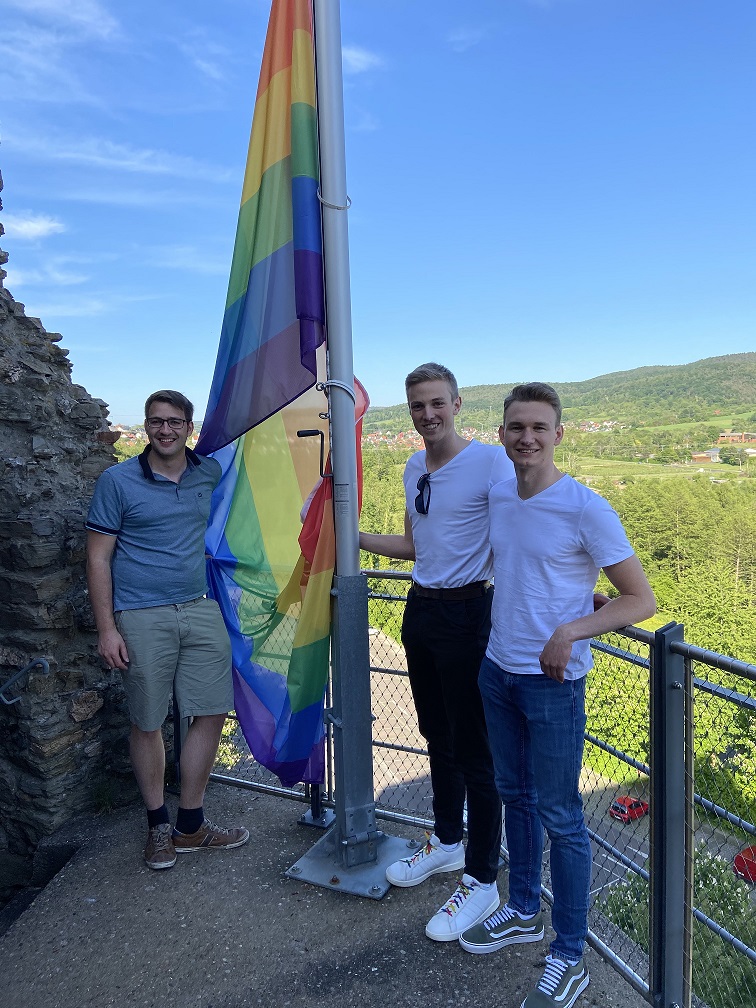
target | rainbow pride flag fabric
[
  {"x": 270, "y": 541},
  {"x": 273, "y": 322}
]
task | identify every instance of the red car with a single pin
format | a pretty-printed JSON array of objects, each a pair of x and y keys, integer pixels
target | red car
[
  {"x": 626, "y": 808},
  {"x": 744, "y": 864}
]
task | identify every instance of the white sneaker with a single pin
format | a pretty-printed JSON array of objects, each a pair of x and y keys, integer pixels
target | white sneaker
[
  {"x": 428, "y": 860},
  {"x": 469, "y": 905}
]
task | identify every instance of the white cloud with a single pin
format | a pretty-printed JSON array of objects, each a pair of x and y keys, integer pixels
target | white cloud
[
  {"x": 84, "y": 258},
  {"x": 211, "y": 70},
  {"x": 30, "y": 227},
  {"x": 62, "y": 277},
  {"x": 209, "y": 58},
  {"x": 356, "y": 60},
  {"x": 129, "y": 196},
  {"x": 88, "y": 306},
  {"x": 362, "y": 121},
  {"x": 22, "y": 278},
  {"x": 52, "y": 274},
  {"x": 36, "y": 66},
  {"x": 97, "y": 152},
  {"x": 462, "y": 39},
  {"x": 187, "y": 258},
  {"x": 72, "y": 309},
  {"x": 86, "y": 16},
  {"x": 47, "y": 45}
]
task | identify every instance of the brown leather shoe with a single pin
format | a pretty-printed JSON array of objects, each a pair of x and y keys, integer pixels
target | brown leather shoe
[
  {"x": 210, "y": 837},
  {"x": 159, "y": 851}
]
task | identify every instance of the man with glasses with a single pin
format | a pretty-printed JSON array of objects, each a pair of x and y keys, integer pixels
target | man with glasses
[
  {"x": 444, "y": 632},
  {"x": 147, "y": 585}
]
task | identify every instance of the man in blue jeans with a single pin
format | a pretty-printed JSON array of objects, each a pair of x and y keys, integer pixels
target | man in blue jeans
[{"x": 551, "y": 536}]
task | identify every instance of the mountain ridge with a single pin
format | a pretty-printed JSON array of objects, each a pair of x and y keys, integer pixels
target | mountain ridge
[{"x": 651, "y": 394}]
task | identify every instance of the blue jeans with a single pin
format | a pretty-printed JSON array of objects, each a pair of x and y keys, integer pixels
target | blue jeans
[{"x": 535, "y": 729}]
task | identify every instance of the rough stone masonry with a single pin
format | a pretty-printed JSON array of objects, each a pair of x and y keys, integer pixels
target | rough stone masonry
[{"x": 63, "y": 742}]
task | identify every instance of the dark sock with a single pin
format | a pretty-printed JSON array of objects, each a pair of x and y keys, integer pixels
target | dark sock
[
  {"x": 189, "y": 820},
  {"x": 158, "y": 816}
]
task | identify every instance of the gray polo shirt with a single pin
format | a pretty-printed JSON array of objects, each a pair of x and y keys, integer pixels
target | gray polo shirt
[{"x": 159, "y": 556}]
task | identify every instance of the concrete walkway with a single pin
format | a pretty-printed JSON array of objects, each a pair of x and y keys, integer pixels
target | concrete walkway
[{"x": 228, "y": 930}]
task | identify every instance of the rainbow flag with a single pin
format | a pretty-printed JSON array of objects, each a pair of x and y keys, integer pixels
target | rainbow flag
[
  {"x": 270, "y": 541},
  {"x": 273, "y": 323}
]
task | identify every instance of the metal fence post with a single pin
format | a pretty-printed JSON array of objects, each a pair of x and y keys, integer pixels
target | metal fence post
[
  {"x": 318, "y": 814},
  {"x": 668, "y": 823},
  {"x": 353, "y": 728}
]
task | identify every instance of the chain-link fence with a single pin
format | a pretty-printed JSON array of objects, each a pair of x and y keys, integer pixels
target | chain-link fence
[
  {"x": 717, "y": 852},
  {"x": 401, "y": 774},
  {"x": 722, "y": 845},
  {"x": 616, "y": 795}
]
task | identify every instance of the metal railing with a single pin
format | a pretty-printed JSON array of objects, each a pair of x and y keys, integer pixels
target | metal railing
[
  {"x": 17, "y": 677},
  {"x": 670, "y": 750}
]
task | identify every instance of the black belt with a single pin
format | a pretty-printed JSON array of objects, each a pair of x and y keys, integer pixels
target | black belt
[{"x": 468, "y": 591}]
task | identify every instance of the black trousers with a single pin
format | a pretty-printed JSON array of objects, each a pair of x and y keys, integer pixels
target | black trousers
[{"x": 445, "y": 642}]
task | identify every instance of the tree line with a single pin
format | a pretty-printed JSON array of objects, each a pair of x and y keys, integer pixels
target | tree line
[
  {"x": 695, "y": 537},
  {"x": 714, "y": 390}
]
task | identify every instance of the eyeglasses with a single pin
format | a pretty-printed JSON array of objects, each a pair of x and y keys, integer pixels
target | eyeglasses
[
  {"x": 155, "y": 423},
  {"x": 422, "y": 501}
]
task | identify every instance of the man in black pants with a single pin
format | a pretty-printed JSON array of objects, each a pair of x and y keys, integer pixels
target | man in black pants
[{"x": 445, "y": 632}]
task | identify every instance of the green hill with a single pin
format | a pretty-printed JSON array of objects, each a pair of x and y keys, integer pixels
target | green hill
[{"x": 712, "y": 390}]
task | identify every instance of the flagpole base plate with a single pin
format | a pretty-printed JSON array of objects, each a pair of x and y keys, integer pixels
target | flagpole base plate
[
  {"x": 325, "y": 820},
  {"x": 322, "y": 866}
]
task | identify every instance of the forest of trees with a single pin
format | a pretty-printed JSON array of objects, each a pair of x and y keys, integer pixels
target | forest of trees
[
  {"x": 697, "y": 542},
  {"x": 695, "y": 537}
]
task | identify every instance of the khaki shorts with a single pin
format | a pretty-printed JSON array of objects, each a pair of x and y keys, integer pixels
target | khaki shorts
[{"x": 183, "y": 647}]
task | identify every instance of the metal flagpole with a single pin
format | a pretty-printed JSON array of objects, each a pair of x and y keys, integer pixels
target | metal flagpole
[{"x": 354, "y": 854}]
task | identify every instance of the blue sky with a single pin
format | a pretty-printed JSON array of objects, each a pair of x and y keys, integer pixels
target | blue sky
[{"x": 541, "y": 189}]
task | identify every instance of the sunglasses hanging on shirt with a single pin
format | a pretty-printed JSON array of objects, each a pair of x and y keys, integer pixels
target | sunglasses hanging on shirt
[{"x": 422, "y": 501}]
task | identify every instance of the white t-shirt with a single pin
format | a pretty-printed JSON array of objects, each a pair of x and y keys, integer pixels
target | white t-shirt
[
  {"x": 548, "y": 552},
  {"x": 451, "y": 541}
]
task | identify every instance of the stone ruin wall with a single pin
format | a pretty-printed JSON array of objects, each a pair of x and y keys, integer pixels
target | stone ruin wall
[{"x": 63, "y": 744}]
